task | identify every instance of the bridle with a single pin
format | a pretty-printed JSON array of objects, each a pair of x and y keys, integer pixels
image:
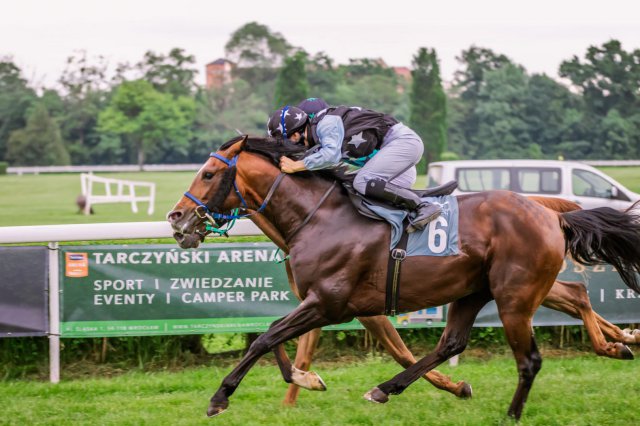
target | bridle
[{"x": 204, "y": 211}]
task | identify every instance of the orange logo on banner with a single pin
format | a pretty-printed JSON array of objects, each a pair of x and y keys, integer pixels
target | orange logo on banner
[{"x": 76, "y": 265}]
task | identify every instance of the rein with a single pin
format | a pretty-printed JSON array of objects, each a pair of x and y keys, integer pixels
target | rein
[
  {"x": 311, "y": 213},
  {"x": 204, "y": 212}
]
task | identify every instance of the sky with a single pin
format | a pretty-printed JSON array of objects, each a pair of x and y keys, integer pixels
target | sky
[{"x": 40, "y": 35}]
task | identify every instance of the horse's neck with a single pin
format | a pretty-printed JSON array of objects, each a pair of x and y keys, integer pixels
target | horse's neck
[
  {"x": 295, "y": 200},
  {"x": 270, "y": 231}
]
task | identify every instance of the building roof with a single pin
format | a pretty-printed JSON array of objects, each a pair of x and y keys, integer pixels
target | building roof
[{"x": 220, "y": 61}]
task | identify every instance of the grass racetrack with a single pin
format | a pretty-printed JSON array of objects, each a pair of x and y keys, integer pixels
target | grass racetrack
[
  {"x": 50, "y": 198},
  {"x": 576, "y": 390},
  {"x": 582, "y": 390}
]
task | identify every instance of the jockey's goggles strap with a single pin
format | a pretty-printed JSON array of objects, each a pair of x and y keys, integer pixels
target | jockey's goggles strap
[{"x": 282, "y": 122}]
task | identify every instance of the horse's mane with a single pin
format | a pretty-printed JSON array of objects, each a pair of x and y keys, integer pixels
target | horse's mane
[
  {"x": 271, "y": 148},
  {"x": 274, "y": 148}
]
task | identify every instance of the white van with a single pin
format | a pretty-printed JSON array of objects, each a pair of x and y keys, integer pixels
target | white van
[{"x": 573, "y": 181}]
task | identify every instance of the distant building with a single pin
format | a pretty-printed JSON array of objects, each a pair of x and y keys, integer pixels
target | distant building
[
  {"x": 404, "y": 77},
  {"x": 219, "y": 73},
  {"x": 403, "y": 72}
]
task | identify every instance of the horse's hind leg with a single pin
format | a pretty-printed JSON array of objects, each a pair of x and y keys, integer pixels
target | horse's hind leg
[
  {"x": 454, "y": 339},
  {"x": 571, "y": 298},
  {"x": 300, "y": 376},
  {"x": 628, "y": 336},
  {"x": 517, "y": 327},
  {"x": 382, "y": 329},
  {"x": 304, "y": 318}
]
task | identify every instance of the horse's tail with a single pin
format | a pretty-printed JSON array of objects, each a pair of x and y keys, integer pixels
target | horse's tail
[
  {"x": 557, "y": 204},
  {"x": 605, "y": 235}
]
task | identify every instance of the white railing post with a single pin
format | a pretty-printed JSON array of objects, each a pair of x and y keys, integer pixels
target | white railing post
[
  {"x": 132, "y": 194},
  {"x": 54, "y": 314},
  {"x": 87, "y": 197}
]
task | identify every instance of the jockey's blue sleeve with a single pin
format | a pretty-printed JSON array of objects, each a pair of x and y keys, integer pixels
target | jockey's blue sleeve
[{"x": 330, "y": 133}]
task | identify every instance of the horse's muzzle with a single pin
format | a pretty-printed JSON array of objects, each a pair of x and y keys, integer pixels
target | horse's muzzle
[{"x": 189, "y": 229}]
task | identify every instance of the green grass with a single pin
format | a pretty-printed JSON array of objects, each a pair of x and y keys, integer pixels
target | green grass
[
  {"x": 571, "y": 391},
  {"x": 50, "y": 198},
  {"x": 628, "y": 176}
]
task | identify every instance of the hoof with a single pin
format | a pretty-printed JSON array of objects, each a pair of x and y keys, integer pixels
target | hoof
[
  {"x": 215, "y": 409},
  {"x": 466, "y": 392},
  {"x": 625, "y": 353},
  {"x": 308, "y": 380},
  {"x": 377, "y": 396},
  {"x": 633, "y": 336}
]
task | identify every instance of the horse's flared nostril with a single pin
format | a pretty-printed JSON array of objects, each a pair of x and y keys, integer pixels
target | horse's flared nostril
[{"x": 174, "y": 216}]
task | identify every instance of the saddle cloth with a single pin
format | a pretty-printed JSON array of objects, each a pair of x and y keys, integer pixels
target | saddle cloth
[{"x": 438, "y": 238}]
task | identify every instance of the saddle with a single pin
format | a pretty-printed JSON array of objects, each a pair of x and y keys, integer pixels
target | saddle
[
  {"x": 360, "y": 202},
  {"x": 399, "y": 252}
]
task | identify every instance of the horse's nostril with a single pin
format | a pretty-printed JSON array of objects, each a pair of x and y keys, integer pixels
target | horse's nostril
[{"x": 174, "y": 215}]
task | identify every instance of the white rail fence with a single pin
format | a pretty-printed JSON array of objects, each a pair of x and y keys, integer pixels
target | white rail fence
[
  {"x": 53, "y": 234},
  {"x": 106, "y": 168},
  {"x": 116, "y": 191},
  {"x": 85, "y": 232}
]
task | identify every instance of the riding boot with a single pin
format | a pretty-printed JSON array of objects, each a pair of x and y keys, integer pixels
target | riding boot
[{"x": 422, "y": 212}]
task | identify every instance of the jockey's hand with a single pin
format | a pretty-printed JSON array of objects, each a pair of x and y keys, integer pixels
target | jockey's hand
[{"x": 288, "y": 165}]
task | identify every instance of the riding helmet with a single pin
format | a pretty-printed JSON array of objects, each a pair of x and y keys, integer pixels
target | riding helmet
[
  {"x": 312, "y": 106},
  {"x": 286, "y": 121}
]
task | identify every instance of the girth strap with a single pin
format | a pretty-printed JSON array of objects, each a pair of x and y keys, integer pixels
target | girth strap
[{"x": 396, "y": 256}]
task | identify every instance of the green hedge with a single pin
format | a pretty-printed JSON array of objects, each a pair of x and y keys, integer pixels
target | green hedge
[{"x": 3, "y": 167}]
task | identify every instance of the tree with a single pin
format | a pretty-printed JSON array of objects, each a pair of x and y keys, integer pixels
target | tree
[
  {"x": 39, "y": 143},
  {"x": 503, "y": 131},
  {"x": 428, "y": 104},
  {"x": 549, "y": 107},
  {"x": 150, "y": 124},
  {"x": 468, "y": 81},
  {"x": 608, "y": 78},
  {"x": 322, "y": 76},
  {"x": 86, "y": 91},
  {"x": 219, "y": 116},
  {"x": 616, "y": 137},
  {"x": 173, "y": 73},
  {"x": 255, "y": 46},
  {"x": 292, "y": 85},
  {"x": 15, "y": 99},
  {"x": 476, "y": 61}
]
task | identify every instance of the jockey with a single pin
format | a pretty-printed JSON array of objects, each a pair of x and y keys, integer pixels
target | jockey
[
  {"x": 312, "y": 106},
  {"x": 385, "y": 149}
]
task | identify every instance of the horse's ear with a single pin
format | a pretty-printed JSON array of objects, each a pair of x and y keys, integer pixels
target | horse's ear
[
  {"x": 237, "y": 146},
  {"x": 245, "y": 138}
]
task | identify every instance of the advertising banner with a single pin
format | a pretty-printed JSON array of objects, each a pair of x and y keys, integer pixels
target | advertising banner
[
  {"x": 24, "y": 273},
  {"x": 152, "y": 290},
  {"x": 148, "y": 290}
]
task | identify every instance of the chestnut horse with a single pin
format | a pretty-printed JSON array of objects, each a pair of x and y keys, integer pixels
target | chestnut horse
[
  {"x": 569, "y": 297},
  {"x": 511, "y": 250}
]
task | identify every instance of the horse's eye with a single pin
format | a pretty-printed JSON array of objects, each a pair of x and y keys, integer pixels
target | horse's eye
[{"x": 207, "y": 175}]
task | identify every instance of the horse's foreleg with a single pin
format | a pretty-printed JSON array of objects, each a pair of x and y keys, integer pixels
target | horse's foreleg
[
  {"x": 454, "y": 339},
  {"x": 304, "y": 318},
  {"x": 572, "y": 298},
  {"x": 382, "y": 329}
]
